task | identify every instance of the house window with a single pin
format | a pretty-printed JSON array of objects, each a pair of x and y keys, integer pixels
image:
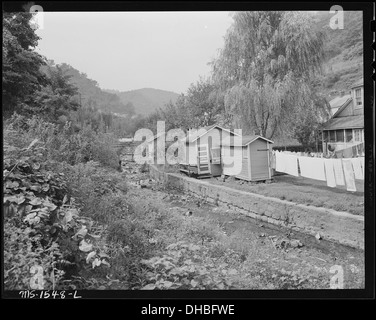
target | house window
[
  {"x": 349, "y": 135},
  {"x": 340, "y": 135},
  {"x": 245, "y": 152},
  {"x": 358, "y": 136},
  {"x": 358, "y": 97},
  {"x": 332, "y": 136}
]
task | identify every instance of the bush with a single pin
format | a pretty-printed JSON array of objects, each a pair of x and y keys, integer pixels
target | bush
[
  {"x": 44, "y": 228},
  {"x": 24, "y": 251},
  {"x": 187, "y": 266},
  {"x": 63, "y": 143},
  {"x": 99, "y": 192}
]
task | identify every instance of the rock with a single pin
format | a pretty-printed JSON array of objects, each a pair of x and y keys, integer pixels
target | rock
[
  {"x": 318, "y": 236},
  {"x": 188, "y": 213},
  {"x": 262, "y": 235},
  {"x": 283, "y": 243},
  {"x": 296, "y": 244}
]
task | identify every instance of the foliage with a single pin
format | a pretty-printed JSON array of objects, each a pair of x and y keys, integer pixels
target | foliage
[
  {"x": 268, "y": 58},
  {"x": 56, "y": 100},
  {"x": 21, "y": 64},
  {"x": 343, "y": 61},
  {"x": 197, "y": 108},
  {"x": 184, "y": 266},
  {"x": 63, "y": 143},
  {"x": 43, "y": 225}
]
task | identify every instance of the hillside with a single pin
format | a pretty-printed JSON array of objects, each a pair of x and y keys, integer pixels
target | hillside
[
  {"x": 343, "y": 63},
  {"x": 91, "y": 95},
  {"x": 145, "y": 100}
]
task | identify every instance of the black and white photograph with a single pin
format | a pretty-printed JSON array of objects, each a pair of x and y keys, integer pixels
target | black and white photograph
[{"x": 158, "y": 151}]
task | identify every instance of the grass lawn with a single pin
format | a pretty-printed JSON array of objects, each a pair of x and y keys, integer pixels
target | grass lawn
[
  {"x": 304, "y": 191},
  {"x": 297, "y": 189}
]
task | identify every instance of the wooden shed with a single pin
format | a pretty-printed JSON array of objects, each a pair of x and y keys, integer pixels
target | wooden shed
[
  {"x": 255, "y": 158},
  {"x": 201, "y": 154}
]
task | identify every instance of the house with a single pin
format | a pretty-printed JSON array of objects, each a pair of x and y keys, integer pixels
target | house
[
  {"x": 345, "y": 129},
  {"x": 255, "y": 158},
  {"x": 201, "y": 148}
]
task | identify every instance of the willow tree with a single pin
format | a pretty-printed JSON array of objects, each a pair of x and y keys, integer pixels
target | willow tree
[{"x": 265, "y": 67}]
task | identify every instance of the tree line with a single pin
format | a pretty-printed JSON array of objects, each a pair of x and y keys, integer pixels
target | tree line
[{"x": 262, "y": 81}]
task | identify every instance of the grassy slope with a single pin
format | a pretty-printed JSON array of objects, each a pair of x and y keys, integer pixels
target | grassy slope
[
  {"x": 301, "y": 190},
  {"x": 343, "y": 64}
]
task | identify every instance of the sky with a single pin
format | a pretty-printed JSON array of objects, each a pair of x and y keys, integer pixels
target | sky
[{"x": 133, "y": 50}]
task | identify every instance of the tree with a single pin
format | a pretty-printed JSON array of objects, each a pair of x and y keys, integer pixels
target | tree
[
  {"x": 130, "y": 109},
  {"x": 308, "y": 122},
  {"x": 197, "y": 108},
  {"x": 22, "y": 76},
  {"x": 58, "y": 98},
  {"x": 265, "y": 67},
  {"x": 203, "y": 105}
]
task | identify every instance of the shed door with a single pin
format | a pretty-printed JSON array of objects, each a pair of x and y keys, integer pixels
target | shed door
[
  {"x": 203, "y": 159},
  {"x": 259, "y": 160}
]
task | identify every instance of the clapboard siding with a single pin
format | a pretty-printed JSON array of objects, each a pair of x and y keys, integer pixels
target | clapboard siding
[
  {"x": 245, "y": 171},
  {"x": 259, "y": 160}
]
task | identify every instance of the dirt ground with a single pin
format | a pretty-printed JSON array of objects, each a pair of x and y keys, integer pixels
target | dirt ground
[{"x": 273, "y": 256}]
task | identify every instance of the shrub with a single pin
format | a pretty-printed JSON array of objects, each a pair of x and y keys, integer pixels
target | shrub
[
  {"x": 63, "y": 143},
  {"x": 23, "y": 251},
  {"x": 187, "y": 266},
  {"x": 44, "y": 228}
]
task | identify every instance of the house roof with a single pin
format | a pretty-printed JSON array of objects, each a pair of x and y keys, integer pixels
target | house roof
[
  {"x": 349, "y": 122},
  {"x": 338, "y": 102},
  {"x": 358, "y": 83},
  {"x": 341, "y": 108},
  {"x": 246, "y": 140}
]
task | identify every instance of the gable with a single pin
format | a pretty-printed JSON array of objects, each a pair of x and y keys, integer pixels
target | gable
[{"x": 346, "y": 110}]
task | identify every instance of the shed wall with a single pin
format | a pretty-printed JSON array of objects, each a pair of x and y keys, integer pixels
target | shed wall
[{"x": 259, "y": 160}]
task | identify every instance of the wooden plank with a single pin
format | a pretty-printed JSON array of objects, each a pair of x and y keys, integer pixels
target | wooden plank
[{"x": 203, "y": 159}]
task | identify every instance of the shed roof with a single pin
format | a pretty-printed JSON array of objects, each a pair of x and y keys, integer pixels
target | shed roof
[
  {"x": 193, "y": 136},
  {"x": 349, "y": 122},
  {"x": 246, "y": 140}
]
